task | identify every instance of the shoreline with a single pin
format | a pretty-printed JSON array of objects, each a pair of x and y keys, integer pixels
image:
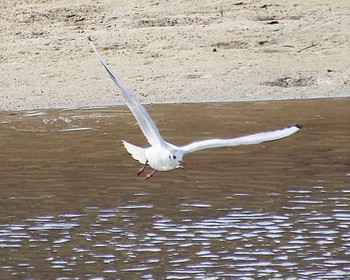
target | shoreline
[{"x": 174, "y": 102}]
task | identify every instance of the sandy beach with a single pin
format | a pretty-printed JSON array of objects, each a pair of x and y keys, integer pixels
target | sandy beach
[{"x": 172, "y": 51}]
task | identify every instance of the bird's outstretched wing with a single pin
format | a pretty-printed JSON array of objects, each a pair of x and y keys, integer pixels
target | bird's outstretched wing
[
  {"x": 145, "y": 121},
  {"x": 244, "y": 140}
]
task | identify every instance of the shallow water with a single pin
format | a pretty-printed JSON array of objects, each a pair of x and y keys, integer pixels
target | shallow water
[{"x": 72, "y": 206}]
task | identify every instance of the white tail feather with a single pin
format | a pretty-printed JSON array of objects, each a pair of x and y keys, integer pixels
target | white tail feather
[{"x": 136, "y": 152}]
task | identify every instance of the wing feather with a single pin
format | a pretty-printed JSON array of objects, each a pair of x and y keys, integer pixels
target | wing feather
[
  {"x": 244, "y": 140},
  {"x": 144, "y": 120}
]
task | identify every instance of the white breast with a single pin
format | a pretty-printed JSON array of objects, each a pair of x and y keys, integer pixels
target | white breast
[{"x": 158, "y": 158}]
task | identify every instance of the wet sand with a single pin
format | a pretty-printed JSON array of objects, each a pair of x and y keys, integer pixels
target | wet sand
[{"x": 179, "y": 51}]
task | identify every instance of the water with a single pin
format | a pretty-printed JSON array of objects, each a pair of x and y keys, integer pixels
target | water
[{"x": 72, "y": 206}]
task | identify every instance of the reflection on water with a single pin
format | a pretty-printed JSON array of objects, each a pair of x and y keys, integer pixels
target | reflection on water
[{"x": 73, "y": 208}]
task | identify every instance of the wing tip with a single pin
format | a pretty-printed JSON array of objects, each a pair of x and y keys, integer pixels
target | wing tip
[{"x": 298, "y": 126}]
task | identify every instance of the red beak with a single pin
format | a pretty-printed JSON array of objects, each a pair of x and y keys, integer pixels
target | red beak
[{"x": 182, "y": 163}]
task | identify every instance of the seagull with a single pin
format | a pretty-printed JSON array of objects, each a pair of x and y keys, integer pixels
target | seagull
[{"x": 164, "y": 156}]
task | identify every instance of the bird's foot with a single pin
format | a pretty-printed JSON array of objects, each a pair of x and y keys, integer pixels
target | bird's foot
[
  {"x": 150, "y": 175},
  {"x": 140, "y": 171}
]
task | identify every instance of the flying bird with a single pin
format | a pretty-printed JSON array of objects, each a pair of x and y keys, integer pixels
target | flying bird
[{"x": 164, "y": 156}]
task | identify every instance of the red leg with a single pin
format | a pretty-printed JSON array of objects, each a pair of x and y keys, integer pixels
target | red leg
[
  {"x": 142, "y": 169},
  {"x": 150, "y": 175}
]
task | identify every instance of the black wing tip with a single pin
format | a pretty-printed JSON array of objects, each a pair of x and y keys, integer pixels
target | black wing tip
[
  {"x": 299, "y": 126},
  {"x": 89, "y": 38}
]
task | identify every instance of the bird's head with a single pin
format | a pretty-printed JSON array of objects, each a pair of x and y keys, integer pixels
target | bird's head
[{"x": 176, "y": 158}]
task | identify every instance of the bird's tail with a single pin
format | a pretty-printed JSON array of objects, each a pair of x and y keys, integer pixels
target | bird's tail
[{"x": 136, "y": 152}]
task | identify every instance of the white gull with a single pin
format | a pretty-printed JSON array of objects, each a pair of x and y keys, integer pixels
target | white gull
[{"x": 164, "y": 156}]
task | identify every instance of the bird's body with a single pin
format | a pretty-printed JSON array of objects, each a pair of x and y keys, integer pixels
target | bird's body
[
  {"x": 158, "y": 158},
  {"x": 163, "y": 156}
]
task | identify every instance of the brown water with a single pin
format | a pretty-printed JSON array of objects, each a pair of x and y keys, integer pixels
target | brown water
[{"x": 72, "y": 206}]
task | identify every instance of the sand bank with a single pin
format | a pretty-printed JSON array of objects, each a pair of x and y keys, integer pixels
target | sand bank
[{"x": 172, "y": 51}]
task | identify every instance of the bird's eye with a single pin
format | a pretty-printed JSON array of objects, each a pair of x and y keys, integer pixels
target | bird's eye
[{"x": 174, "y": 157}]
